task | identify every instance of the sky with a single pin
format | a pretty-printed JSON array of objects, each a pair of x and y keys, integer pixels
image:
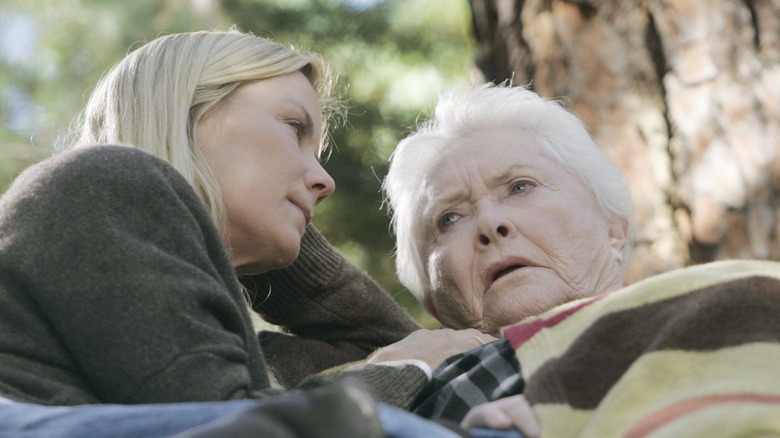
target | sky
[{"x": 17, "y": 36}]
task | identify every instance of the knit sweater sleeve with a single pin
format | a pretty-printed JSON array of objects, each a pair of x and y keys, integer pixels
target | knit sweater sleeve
[
  {"x": 397, "y": 385},
  {"x": 330, "y": 311},
  {"x": 115, "y": 287}
]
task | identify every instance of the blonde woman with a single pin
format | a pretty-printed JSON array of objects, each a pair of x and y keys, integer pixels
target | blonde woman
[{"x": 120, "y": 264}]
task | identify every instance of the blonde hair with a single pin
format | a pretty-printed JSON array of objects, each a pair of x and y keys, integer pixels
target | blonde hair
[
  {"x": 154, "y": 98},
  {"x": 464, "y": 110}
]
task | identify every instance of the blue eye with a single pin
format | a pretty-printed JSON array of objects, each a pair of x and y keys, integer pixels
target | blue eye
[
  {"x": 447, "y": 220},
  {"x": 519, "y": 187}
]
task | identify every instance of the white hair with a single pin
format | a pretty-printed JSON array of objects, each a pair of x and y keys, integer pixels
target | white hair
[{"x": 460, "y": 112}]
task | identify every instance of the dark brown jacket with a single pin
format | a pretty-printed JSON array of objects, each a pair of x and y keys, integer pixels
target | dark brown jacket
[{"x": 115, "y": 287}]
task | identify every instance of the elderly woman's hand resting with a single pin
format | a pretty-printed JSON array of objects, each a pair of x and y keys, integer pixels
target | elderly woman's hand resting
[
  {"x": 431, "y": 346},
  {"x": 502, "y": 414}
]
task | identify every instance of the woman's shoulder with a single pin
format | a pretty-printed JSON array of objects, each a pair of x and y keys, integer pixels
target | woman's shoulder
[
  {"x": 90, "y": 172},
  {"x": 98, "y": 161}
]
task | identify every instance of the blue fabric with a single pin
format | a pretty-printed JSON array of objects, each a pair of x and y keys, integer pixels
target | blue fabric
[
  {"x": 21, "y": 420},
  {"x": 117, "y": 421},
  {"x": 492, "y": 433},
  {"x": 398, "y": 423}
]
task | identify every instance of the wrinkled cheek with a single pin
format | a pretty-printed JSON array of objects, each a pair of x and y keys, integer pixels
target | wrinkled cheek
[
  {"x": 454, "y": 304},
  {"x": 504, "y": 314},
  {"x": 451, "y": 309}
]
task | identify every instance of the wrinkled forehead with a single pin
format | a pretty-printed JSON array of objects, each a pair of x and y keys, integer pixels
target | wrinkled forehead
[
  {"x": 442, "y": 179},
  {"x": 484, "y": 157}
]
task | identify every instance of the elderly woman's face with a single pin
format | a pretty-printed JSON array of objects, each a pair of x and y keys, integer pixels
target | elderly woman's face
[{"x": 510, "y": 233}]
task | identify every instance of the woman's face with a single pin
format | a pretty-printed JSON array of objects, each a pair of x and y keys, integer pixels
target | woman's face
[
  {"x": 263, "y": 147},
  {"x": 510, "y": 233}
]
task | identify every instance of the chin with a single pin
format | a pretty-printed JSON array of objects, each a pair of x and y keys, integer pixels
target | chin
[
  {"x": 286, "y": 259},
  {"x": 282, "y": 257},
  {"x": 289, "y": 252}
]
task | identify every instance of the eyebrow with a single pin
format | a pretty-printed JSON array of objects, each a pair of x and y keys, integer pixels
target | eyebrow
[
  {"x": 508, "y": 173},
  {"x": 450, "y": 197}
]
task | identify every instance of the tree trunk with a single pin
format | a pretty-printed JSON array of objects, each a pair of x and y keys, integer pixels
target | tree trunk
[{"x": 683, "y": 95}]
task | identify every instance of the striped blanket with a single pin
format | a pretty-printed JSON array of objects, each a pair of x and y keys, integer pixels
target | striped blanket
[{"x": 694, "y": 352}]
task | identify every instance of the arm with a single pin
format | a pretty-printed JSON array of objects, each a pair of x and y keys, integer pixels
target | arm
[
  {"x": 396, "y": 374},
  {"x": 330, "y": 310},
  {"x": 131, "y": 297}
]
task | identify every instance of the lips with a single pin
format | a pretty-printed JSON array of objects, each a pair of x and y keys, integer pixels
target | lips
[
  {"x": 502, "y": 268},
  {"x": 505, "y": 271},
  {"x": 306, "y": 215},
  {"x": 306, "y": 212}
]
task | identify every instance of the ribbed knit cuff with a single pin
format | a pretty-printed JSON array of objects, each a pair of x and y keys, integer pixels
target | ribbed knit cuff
[{"x": 395, "y": 385}]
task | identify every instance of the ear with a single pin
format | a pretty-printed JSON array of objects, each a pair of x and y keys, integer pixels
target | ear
[{"x": 618, "y": 238}]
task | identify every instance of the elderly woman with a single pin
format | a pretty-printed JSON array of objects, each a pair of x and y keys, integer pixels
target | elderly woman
[
  {"x": 503, "y": 207},
  {"x": 508, "y": 216}
]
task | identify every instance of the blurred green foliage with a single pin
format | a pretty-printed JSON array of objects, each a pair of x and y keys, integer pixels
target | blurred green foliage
[{"x": 392, "y": 57}]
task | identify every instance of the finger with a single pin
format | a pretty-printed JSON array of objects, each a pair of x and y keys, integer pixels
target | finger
[
  {"x": 486, "y": 416},
  {"x": 488, "y": 338},
  {"x": 522, "y": 417}
]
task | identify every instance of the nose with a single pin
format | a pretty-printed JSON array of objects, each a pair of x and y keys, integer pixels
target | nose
[
  {"x": 319, "y": 182},
  {"x": 493, "y": 223}
]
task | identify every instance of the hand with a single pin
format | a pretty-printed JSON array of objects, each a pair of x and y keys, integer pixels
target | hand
[
  {"x": 431, "y": 346},
  {"x": 503, "y": 414}
]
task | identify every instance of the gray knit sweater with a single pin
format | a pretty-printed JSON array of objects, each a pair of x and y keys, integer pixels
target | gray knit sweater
[{"x": 116, "y": 288}]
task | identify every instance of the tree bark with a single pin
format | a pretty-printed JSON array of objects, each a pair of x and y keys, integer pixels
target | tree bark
[{"x": 683, "y": 95}]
